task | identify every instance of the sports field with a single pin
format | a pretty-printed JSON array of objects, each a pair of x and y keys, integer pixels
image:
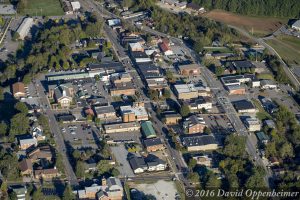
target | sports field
[
  {"x": 42, "y": 8},
  {"x": 259, "y": 25}
]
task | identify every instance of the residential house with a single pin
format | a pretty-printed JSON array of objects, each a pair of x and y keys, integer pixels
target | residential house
[
  {"x": 25, "y": 167},
  {"x": 154, "y": 163},
  {"x": 205, "y": 160},
  {"x": 38, "y": 153},
  {"x": 153, "y": 144},
  {"x": 296, "y": 25},
  {"x": 165, "y": 48},
  {"x": 137, "y": 164},
  {"x": 252, "y": 124},
  {"x": 105, "y": 112},
  {"x": 197, "y": 104},
  {"x": 148, "y": 130},
  {"x": 46, "y": 173},
  {"x": 244, "y": 106},
  {"x": 18, "y": 90},
  {"x": 170, "y": 117},
  {"x": 121, "y": 127},
  {"x": 136, "y": 47},
  {"x": 189, "y": 70},
  {"x": 270, "y": 124},
  {"x": 194, "y": 124},
  {"x": 25, "y": 143},
  {"x": 262, "y": 137},
  {"x": 199, "y": 142}
]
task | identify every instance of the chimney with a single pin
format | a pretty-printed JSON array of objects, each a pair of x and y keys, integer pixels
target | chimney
[
  {"x": 64, "y": 93},
  {"x": 103, "y": 182}
]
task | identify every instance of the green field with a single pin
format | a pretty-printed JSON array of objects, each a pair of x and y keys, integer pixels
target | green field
[
  {"x": 287, "y": 47},
  {"x": 42, "y": 8}
]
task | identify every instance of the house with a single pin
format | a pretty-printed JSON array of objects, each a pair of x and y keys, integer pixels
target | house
[
  {"x": 114, "y": 22},
  {"x": 194, "y": 6},
  {"x": 25, "y": 167},
  {"x": 119, "y": 89},
  {"x": 153, "y": 144},
  {"x": 170, "y": 117},
  {"x": 197, "y": 104},
  {"x": 262, "y": 137},
  {"x": 39, "y": 153},
  {"x": 205, "y": 160},
  {"x": 269, "y": 105},
  {"x": 274, "y": 161},
  {"x": 137, "y": 164},
  {"x": 154, "y": 163},
  {"x": 25, "y": 143},
  {"x": 147, "y": 129},
  {"x": 25, "y": 27},
  {"x": 67, "y": 7},
  {"x": 236, "y": 90},
  {"x": 136, "y": 47},
  {"x": 121, "y": 127},
  {"x": 296, "y": 25},
  {"x": 189, "y": 70},
  {"x": 134, "y": 113},
  {"x": 90, "y": 166},
  {"x": 252, "y": 124},
  {"x": 194, "y": 124},
  {"x": 268, "y": 84},
  {"x": 244, "y": 106},
  {"x": 37, "y": 132},
  {"x": 270, "y": 124},
  {"x": 165, "y": 48},
  {"x": 18, "y": 90},
  {"x": 255, "y": 83},
  {"x": 199, "y": 142},
  {"x": 46, "y": 173},
  {"x": 20, "y": 191},
  {"x": 105, "y": 112}
]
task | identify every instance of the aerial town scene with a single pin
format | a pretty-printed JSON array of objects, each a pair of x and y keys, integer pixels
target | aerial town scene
[{"x": 149, "y": 99}]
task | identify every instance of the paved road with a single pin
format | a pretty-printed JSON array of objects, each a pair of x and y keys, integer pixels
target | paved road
[{"x": 55, "y": 130}]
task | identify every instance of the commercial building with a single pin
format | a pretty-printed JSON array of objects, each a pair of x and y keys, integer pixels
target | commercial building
[
  {"x": 114, "y": 22},
  {"x": 140, "y": 57},
  {"x": 237, "y": 79},
  {"x": 121, "y": 127},
  {"x": 106, "y": 68},
  {"x": 236, "y": 90},
  {"x": 241, "y": 66},
  {"x": 62, "y": 94},
  {"x": 197, "y": 104},
  {"x": 120, "y": 78},
  {"x": 194, "y": 124},
  {"x": 136, "y": 47},
  {"x": 119, "y": 89},
  {"x": 205, "y": 160},
  {"x": 134, "y": 113},
  {"x": 18, "y": 90},
  {"x": 185, "y": 91},
  {"x": 150, "y": 163},
  {"x": 148, "y": 130},
  {"x": 105, "y": 112},
  {"x": 244, "y": 106},
  {"x": 153, "y": 144},
  {"x": 189, "y": 70},
  {"x": 170, "y": 117},
  {"x": 199, "y": 142},
  {"x": 75, "y": 5},
  {"x": 25, "y": 27},
  {"x": 252, "y": 124},
  {"x": 67, "y": 76},
  {"x": 268, "y": 84}
]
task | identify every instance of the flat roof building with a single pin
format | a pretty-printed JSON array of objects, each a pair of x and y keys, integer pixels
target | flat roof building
[
  {"x": 199, "y": 142},
  {"x": 121, "y": 127}
]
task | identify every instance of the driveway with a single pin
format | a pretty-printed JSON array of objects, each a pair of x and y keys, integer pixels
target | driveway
[{"x": 120, "y": 154}]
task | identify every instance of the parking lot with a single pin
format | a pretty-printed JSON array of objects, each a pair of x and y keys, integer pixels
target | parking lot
[
  {"x": 80, "y": 135},
  {"x": 120, "y": 154}
]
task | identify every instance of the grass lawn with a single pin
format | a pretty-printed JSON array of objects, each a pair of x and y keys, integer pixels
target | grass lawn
[
  {"x": 287, "y": 47},
  {"x": 42, "y": 8}
]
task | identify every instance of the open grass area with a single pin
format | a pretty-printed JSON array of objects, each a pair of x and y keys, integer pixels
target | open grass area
[
  {"x": 42, "y": 8},
  {"x": 261, "y": 114},
  {"x": 259, "y": 25},
  {"x": 287, "y": 47}
]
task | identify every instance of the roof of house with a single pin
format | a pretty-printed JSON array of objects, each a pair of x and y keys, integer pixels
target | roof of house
[
  {"x": 148, "y": 129},
  {"x": 243, "y": 105},
  {"x": 18, "y": 87},
  {"x": 152, "y": 142},
  {"x": 296, "y": 24},
  {"x": 136, "y": 162},
  {"x": 193, "y": 6},
  {"x": 198, "y": 140},
  {"x": 193, "y": 120},
  {"x": 27, "y": 141},
  {"x": 239, "y": 64},
  {"x": 104, "y": 109},
  {"x": 262, "y": 136},
  {"x": 153, "y": 160},
  {"x": 62, "y": 91},
  {"x": 46, "y": 171},
  {"x": 136, "y": 45},
  {"x": 164, "y": 47},
  {"x": 25, "y": 165}
]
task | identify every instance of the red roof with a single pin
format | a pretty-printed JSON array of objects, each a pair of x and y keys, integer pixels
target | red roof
[{"x": 164, "y": 47}]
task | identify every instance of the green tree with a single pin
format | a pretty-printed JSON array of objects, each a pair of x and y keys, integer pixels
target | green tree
[
  {"x": 12, "y": 196},
  {"x": 184, "y": 110},
  {"x": 166, "y": 93},
  {"x": 104, "y": 167},
  {"x": 170, "y": 76},
  {"x": 37, "y": 194},
  {"x": 3, "y": 129},
  {"x": 19, "y": 124},
  {"x": 219, "y": 70},
  {"x": 192, "y": 163},
  {"x": 207, "y": 130},
  {"x": 21, "y": 107},
  {"x": 68, "y": 194},
  {"x": 79, "y": 171},
  {"x": 213, "y": 181},
  {"x": 115, "y": 172},
  {"x": 286, "y": 150},
  {"x": 193, "y": 177},
  {"x": 1, "y": 94},
  {"x": 76, "y": 154}
]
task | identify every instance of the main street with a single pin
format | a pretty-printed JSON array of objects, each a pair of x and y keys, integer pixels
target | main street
[{"x": 55, "y": 130}]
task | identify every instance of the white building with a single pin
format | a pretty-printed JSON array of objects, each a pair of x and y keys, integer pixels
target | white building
[
  {"x": 253, "y": 124},
  {"x": 25, "y": 27},
  {"x": 296, "y": 25},
  {"x": 268, "y": 84},
  {"x": 75, "y": 5}
]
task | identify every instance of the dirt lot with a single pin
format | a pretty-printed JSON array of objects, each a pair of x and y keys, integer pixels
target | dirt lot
[{"x": 261, "y": 26}]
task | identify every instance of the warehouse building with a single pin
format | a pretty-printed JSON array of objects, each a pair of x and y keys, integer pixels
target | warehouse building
[{"x": 25, "y": 27}]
